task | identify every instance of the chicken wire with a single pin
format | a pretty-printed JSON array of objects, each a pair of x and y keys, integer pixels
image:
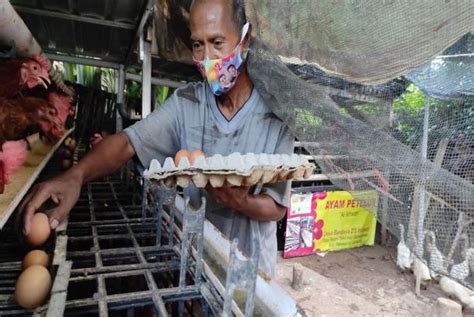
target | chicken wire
[{"x": 367, "y": 152}]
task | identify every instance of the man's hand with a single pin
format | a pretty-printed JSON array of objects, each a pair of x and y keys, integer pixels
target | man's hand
[
  {"x": 259, "y": 207},
  {"x": 103, "y": 159},
  {"x": 63, "y": 190},
  {"x": 232, "y": 197}
]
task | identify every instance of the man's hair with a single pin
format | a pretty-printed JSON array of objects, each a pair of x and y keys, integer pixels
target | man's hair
[
  {"x": 238, "y": 14},
  {"x": 239, "y": 17}
]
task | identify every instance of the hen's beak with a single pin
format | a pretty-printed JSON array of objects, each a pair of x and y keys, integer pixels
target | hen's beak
[{"x": 44, "y": 81}]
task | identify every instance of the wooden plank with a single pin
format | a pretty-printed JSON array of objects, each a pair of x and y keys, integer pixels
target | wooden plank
[
  {"x": 384, "y": 235},
  {"x": 384, "y": 217},
  {"x": 309, "y": 144},
  {"x": 21, "y": 181},
  {"x": 326, "y": 177},
  {"x": 411, "y": 233},
  {"x": 329, "y": 157}
]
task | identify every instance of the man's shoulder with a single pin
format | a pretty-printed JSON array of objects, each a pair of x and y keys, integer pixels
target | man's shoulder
[{"x": 191, "y": 93}]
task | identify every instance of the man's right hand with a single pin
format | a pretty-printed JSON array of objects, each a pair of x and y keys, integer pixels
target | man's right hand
[
  {"x": 103, "y": 159},
  {"x": 63, "y": 190}
]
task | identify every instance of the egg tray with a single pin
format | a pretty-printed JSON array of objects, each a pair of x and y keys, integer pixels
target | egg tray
[{"x": 234, "y": 170}]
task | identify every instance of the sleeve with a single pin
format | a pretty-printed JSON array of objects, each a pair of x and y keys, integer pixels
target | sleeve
[
  {"x": 280, "y": 192},
  {"x": 157, "y": 136}
]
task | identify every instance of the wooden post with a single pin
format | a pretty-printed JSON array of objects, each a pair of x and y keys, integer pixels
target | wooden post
[
  {"x": 297, "y": 283},
  {"x": 384, "y": 216}
]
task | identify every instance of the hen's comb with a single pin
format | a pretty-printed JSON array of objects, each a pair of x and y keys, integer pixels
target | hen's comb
[{"x": 13, "y": 155}]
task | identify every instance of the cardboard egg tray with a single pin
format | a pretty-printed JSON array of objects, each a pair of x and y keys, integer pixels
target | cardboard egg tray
[{"x": 235, "y": 170}]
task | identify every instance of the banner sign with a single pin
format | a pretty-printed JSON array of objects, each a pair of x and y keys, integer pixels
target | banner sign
[{"x": 329, "y": 221}]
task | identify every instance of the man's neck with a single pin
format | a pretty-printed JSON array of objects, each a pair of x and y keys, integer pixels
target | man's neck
[{"x": 230, "y": 103}]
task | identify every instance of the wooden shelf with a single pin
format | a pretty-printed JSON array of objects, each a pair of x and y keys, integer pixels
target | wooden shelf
[{"x": 21, "y": 181}]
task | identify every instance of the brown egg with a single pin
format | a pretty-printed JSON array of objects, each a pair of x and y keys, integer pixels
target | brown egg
[
  {"x": 67, "y": 141},
  {"x": 66, "y": 153},
  {"x": 35, "y": 257},
  {"x": 39, "y": 230},
  {"x": 195, "y": 154},
  {"x": 71, "y": 145},
  {"x": 66, "y": 164},
  {"x": 180, "y": 155},
  {"x": 32, "y": 287}
]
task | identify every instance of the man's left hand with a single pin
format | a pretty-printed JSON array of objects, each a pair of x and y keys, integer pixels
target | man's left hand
[{"x": 232, "y": 197}]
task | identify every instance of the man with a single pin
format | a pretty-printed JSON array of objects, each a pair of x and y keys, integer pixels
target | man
[{"x": 202, "y": 116}]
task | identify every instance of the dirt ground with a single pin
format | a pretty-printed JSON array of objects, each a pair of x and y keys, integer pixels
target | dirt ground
[{"x": 358, "y": 282}]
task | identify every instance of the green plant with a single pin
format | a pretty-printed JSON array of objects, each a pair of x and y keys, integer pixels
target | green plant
[
  {"x": 412, "y": 101},
  {"x": 69, "y": 72},
  {"x": 161, "y": 94},
  {"x": 133, "y": 89},
  {"x": 109, "y": 80}
]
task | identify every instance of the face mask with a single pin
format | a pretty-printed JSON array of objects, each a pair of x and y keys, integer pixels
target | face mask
[{"x": 222, "y": 73}]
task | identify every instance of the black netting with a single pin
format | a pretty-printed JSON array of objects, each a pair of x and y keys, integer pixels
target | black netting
[{"x": 365, "y": 138}]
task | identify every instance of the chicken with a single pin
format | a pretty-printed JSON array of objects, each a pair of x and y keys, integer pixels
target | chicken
[
  {"x": 18, "y": 116},
  {"x": 404, "y": 256},
  {"x": 455, "y": 290},
  {"x": 62, "y": 104},
  {"x": 12, "y": 156},
  {"x": 422, "y": 274},
  {"x": 18, "y": 74},
  {"x": 437, "y": 261},
  {"x": 62, "y": 108},
  {"x": 461, "y": 270}
]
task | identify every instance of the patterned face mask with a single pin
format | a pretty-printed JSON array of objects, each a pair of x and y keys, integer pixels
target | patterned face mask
[{"x": 222, "y": 73}]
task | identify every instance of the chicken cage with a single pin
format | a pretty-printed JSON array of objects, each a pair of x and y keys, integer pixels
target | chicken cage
[{"x": 122, "y": 252}]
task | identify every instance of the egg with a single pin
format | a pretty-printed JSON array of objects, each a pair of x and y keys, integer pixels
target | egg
[
  {"x": 66, "y": 153},
  {"x": 66, "y": 164},
  {"x": 181, "y": 153},
  {"x": 70, "y": 144},
  {"x": 35, "y": 257},
  {"x": 32, "y": 287},
  {"x": 63, "y": 152},
  {"x": 195, "y": 154},
  {"x": 39, "y": 230}
]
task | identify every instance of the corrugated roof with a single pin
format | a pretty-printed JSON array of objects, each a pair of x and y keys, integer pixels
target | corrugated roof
[
  {"x": 104, "y": 30},
  {"x": 97, "y": 28}
]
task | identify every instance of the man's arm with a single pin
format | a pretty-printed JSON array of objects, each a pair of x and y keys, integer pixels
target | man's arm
[
  {"x": 104, "y": 158},
  {"x": 262, "y": 207},
  {"x": 259, "y": 207}
]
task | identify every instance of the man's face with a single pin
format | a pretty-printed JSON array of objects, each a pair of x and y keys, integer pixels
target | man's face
[
  {"x": 232, "y": 71},
  {"x": 213, "y": 33},
  {"x": 223, "y": 80}
]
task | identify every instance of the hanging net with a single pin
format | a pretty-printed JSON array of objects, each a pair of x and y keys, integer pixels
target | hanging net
[{"x": 360, "y": 83}]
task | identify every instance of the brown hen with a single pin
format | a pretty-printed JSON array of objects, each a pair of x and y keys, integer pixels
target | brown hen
[
  {"x": 18, "y": 74},
  {"x": 19, "y": 115}
]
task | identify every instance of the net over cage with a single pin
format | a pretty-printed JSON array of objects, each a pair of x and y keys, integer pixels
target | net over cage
[{"x": 381, "y": 94}]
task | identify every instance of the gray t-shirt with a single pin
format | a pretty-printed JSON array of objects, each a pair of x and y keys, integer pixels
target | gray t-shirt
[{"x": 190, "y": 119}]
